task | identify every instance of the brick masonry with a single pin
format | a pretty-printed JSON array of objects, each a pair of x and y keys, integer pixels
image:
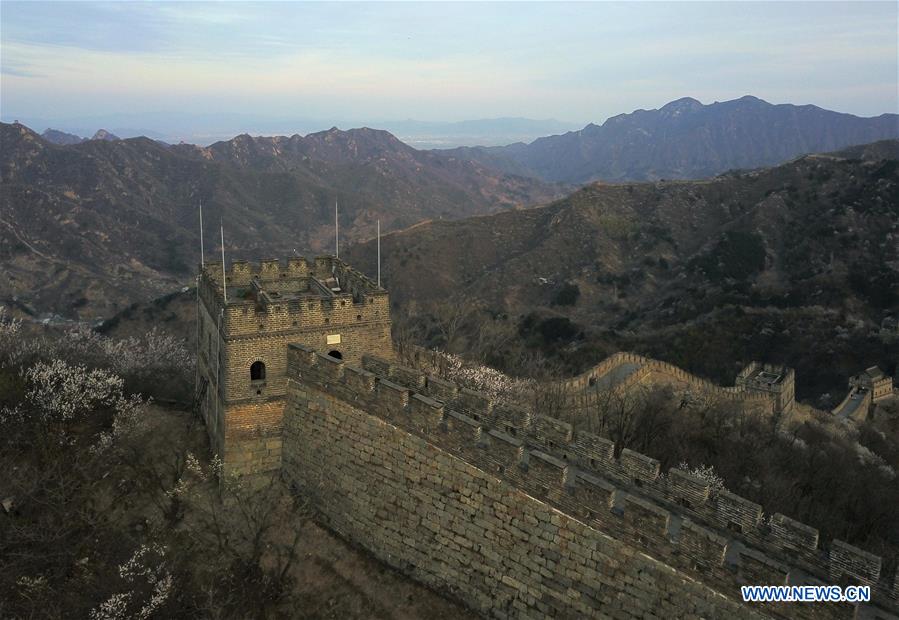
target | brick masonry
[
  {"x": 270, "y": 306},
  {"x": 511, "y": 512},
  {"x": 542, "y": 523},
  {"x": 457, "y": 528}
]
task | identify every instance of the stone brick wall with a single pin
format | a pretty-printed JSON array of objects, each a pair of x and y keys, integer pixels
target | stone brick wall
[
  {"x": 208, "y": 360},
  {"x": 518, "y": 516},
  {"x": 253, "y": 456},
  {"x": 271, "y": 349},
  {"x": 245, "y": 318},
  {"x": 579, "y": 392},
  {"x": 459, "y": 529},
  {"x": 243, "y": 416}
]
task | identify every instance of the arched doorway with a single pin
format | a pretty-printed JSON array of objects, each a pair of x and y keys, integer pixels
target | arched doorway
[
  {"x": 257, "y": 371},
  {"x": 336, "y": 354}
]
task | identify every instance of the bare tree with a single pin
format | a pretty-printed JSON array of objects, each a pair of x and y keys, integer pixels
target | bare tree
[
  {"x": 237, "y": 523},
  {"x": 632, "y": 418},
  {"x": 451, "y": 318}
]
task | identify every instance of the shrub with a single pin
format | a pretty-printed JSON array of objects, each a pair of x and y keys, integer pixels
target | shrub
[
  {"x": 567, "y": 295},
  {"x": 737, "y": 255},
  {"x": 557, "y": 329}
]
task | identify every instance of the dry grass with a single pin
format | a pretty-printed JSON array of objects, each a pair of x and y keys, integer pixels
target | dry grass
[{"x": 331, "y": 577}]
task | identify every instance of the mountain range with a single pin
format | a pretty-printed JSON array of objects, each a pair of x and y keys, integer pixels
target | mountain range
[
  {"x": 785, "y": 264},
  {"x": 795, "y": 264},
  {"x": 686, "y": 140},
  {"x": 88, "y": 228},
  {"x": 174, "y": 127},
  {"x": 55, "y": 136}
]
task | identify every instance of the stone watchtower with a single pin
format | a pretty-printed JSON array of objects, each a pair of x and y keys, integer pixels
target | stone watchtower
[
  {"x": 779, "y": 382},
  {"x": 242, "y": 344}
]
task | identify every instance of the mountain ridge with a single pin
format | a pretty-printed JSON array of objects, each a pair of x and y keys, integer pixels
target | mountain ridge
[
  {"x": 687, "y": 139},
  {"x": 718, "y": 268},
  {"x": 55, "y": 136},
  {"x": 91, "y": 227}
]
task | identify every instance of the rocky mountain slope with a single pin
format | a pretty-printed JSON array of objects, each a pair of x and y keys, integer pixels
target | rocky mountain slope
[
  {"x": 89, "y": 228},
  {"x": 55, "y": 136},
  {"x": 686, "y": 140},
  {"x": 102, "y": 134},
  {"x": 798, "y": 263}
]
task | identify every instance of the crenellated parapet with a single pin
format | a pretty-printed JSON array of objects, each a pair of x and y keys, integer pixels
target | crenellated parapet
[
  {"x": 623, "y": 370},
  {"x": 267, "y": 271},
  {"x": 722, "y": 539},
  {"x": 273, "y": 295},
  {"x": 247, "y": 315}
]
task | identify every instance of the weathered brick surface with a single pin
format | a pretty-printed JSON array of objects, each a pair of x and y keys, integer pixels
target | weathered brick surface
[
  {"x": 850, "y": 561},
  {"x": 509, "y": 510},
  {"x": 456, "y": 527},
  {"x": 253, "y": 456},
  {"x": 517, "y": 529},
  {"x": 704, "y": 547},
  {"x": 269, "y": 307},
  {"x": 688, "y": 489},
  {"x": 736, "y": 513},
  {"x": 759, "y": 569},
  {"x": 792, "y": 534},
  {"x": 646, "y": 517},
  {"x": 641, "y": 467}
]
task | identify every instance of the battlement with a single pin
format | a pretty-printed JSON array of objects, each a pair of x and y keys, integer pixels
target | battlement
[
  {"x": 764, "y": 386},
  {"x": 274, "y": 296},
  {"x": 242, "y": 273},
  {"x": 874, "y": 380},
  {"x": 242, "y": 343},
  {"x": 765, "y": 377},
  {"x": 724, "y": 539}
]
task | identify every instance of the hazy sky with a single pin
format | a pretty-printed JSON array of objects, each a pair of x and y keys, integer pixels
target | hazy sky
[{"x": 434, "y": 61}]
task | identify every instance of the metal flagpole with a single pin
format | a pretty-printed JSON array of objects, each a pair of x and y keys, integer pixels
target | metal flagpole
[
  {"x": 202, "y": 262},
  {"x": 197, "y": 377},
  {"x": 336, "y": 233},
  {"x": 224, "y": 276},
  {"x": 379, "y": 253}
]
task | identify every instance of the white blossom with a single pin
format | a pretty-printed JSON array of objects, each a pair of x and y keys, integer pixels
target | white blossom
[
  {"x": 9, "y": 326},
  {"x": 494, "y": 384},
  {"x": 10, "y": 338},
  {"x": 61, "y": 392},
  {"x": 146, "y": 567},
  {"x": 129, "y": 417},
  {"x": 137, "y": 565},
  {"x": 12, "y": 415},
  {"x": 114, "y": 608},
  {"x": 180, "y": 489},
  {"x": 866, "y": 456},
  {"x": 192, "y": 464},
  {"x": 217, "y": 467},
  {"x": 146, "y": 356},
  {"x": 161, "y": 591},
  {"x": 707, "y": 473},
  {"x": 32, "y": 583}
]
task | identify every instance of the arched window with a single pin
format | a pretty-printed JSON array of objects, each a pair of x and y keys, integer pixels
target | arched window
[
  {"x": 257, "y": 371},
  {"x": 336, "y": 354}
]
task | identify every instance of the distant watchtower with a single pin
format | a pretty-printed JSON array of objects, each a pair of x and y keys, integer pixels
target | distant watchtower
[
  {"x": 242, "y": 344},
  {"x": 777, "y": 381}
]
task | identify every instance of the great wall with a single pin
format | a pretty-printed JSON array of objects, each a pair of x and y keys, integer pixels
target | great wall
[
  {"x": 512, "y": 512},
  {"x": 517, "y": 515},
  {"x": 268, "y": 306},
  {"x": 623, "y": 370}
]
